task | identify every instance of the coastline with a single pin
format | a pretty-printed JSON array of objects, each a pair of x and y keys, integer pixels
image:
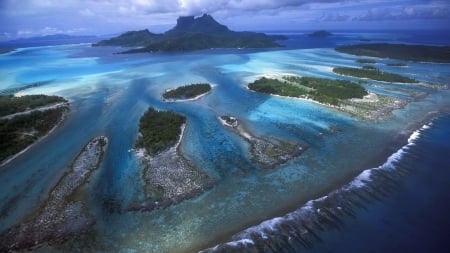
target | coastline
[
  {"x": 268, "y": 154},
  {"x": 63, "y": 117},
  {"x": 59, "y": 217},
  {"x": 376, "y": 114},
  {"x": 294, "y": 221},
  {"x": 175, "y": 100},
  {"x": 369, "y": 79},
  {"x": 169, "y": 178}
]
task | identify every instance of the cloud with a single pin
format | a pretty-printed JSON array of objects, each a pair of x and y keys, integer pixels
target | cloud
[
  {"x": 406, "y": 13},
  {"x": 111, "y": 16},
  {"x": 334, "y": 17}
]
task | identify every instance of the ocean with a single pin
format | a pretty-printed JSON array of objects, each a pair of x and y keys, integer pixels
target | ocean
[{"x": 109, "y": 92}]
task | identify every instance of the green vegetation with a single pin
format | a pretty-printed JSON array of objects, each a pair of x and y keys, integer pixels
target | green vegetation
[
  {"x": 366, "y": 61},
  {"x": 187, "y": 91},
  {"x": 19, "y": 132},
  {"x": 326, "y": 91},
  {"x": 159, "y": 130},
  {"x": 374, "y": 74},
  {"x": 191, "y": 34},
  {"x": 369, "y": 67},
  {"x": 396, "y": 64},
  {"x": 11, "y": 104},
  {"x": 130, "y": 39},
  {"x": 400, "y": 52}
]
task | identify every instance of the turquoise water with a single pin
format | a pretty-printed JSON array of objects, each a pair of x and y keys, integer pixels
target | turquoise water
[{"x": 109, "y": 93}]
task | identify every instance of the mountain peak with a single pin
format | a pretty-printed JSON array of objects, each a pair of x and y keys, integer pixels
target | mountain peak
[{"x": 205, "y": 24}]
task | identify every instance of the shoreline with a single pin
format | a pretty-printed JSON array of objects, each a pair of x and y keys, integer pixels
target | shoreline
[
  {"x": 369, "y": 79},
  {"x": 169, "y": 178},
  {"x": 176, "y": 100},
  {"x": 59, "y": 217},
  {"x": 242, "y": 238},
  {"x": 63, "y": 117},
  {"x": 268, "y": 154},
  {"x": 386, "y": 109}
]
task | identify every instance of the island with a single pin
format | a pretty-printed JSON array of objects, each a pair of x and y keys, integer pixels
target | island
[
  {"x": 369, "y": 67},
  {"x": 366, "y": 61},
  {"x": 396, "y": 64},
  {"x": 6, "y": 50},
  {"x": 320, "y": 34},
  {"x": 168, "y": 176},
  {"x": 422, "y": 53},
  {"x": 24, "y": 120},
  {"x": 348, "y": 97},
  {"x": 268, "y": 154},
  {"x": 373, "y": 74},
  {"x": 47, "y": 40},
  {"x": 191, "y": 33},
  {"x": 187, "y": 92},
  {"x": 326, "y": 91},
  {"x": 62, "y": 216}
]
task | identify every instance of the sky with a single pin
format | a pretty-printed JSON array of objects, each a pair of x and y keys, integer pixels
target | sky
[{"x": 28, "y": 18}]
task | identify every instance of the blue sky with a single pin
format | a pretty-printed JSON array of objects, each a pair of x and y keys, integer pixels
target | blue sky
[{"x": 26, "y": 18}]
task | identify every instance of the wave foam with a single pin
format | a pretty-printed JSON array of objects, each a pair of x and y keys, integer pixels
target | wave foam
[{"x": 313, "y": 208}]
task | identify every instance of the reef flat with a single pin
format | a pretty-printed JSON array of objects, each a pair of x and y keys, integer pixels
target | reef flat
[
  {"x": 168, "y": 176},
  {"x": 267, "y": 154},
  {"x": 60, "y": 218}
]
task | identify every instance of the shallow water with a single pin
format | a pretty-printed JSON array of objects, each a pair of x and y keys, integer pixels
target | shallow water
[{"x": 109, "y": 93}]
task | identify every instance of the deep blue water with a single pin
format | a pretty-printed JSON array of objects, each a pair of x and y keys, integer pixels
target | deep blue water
[
  {"x": 414, "y": 218},
  {"x": 109, "y": 92}
]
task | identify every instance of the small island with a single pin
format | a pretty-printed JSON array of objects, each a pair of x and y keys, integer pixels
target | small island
[
  {"x": 366, "y": 61},
  {"x": 422, "y": 53},
  {"x": 396, "y": 64},
  {"x": 168, "y": 176},
  {"x": 6, "y": 50},
  {"x": 373, "y": 74},
  {"x": 368, "y": 67},
  {"x": 191, "y": 33},
  {"x": 24, "y": 120},
  {"x": 326, "y": 91},
  {"x": 320, "y": 34},
  {"x": 268, "y": 154},
  {"x": 61, "y": 217},
  {"x": 187, "y": 92},
  {"x": 353, "y": 100}
]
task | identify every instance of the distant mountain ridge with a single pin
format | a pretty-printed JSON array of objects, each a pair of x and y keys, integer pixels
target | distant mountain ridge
[
  {"x": 48, "y": 40},
  {"x": 191, "y": 33}
]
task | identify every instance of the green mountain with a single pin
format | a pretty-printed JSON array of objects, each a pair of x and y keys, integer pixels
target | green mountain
[
  {"x": 130, "y": 39},
  {"x": 191, "y": 33},
  {"x": 203, "y": 24}
]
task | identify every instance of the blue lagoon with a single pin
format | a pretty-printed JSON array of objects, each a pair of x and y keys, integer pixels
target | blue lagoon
[{"x": 249, "y": 208}]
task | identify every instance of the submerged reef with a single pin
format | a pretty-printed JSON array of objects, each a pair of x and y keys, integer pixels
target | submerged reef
[
  {"x": 168, "y": 176},
  {"x": 302, "y": 229},
  {"x": 61, "y": 217},
  {"x": 267, "y": 154}
]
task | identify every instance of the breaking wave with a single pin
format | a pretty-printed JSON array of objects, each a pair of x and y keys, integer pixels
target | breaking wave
[{"x": 301, "y": 228}]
